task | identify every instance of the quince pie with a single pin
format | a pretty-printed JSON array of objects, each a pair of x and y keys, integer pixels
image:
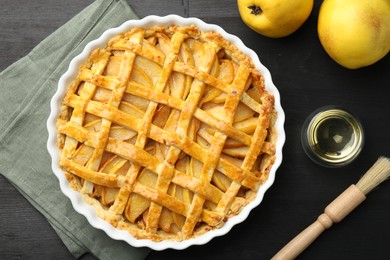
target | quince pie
[{"x": 168, "y": 131}]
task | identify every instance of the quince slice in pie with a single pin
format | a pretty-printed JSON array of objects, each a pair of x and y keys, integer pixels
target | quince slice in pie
[{"x": 168, "y": 132}]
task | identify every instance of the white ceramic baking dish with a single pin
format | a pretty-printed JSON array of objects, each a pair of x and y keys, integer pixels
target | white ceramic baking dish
[{"x": 88, "y": 211}]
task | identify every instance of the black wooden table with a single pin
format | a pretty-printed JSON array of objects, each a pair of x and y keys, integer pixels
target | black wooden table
[{"x": 306, "y": 78}]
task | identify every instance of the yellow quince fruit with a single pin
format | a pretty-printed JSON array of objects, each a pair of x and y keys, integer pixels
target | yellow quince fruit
[
  {"x": 355, "y": 33},
  {"x": 275, "y": 18}
]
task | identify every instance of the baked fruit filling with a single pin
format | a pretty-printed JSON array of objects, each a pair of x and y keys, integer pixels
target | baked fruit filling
[{"x": 167, "y": 131}]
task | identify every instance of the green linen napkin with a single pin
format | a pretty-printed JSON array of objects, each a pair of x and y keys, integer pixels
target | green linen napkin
[{"x": 26, "y": 88}]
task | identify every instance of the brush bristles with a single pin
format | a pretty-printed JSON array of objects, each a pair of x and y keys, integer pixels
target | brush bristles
[{"x": 377, "y": 174}]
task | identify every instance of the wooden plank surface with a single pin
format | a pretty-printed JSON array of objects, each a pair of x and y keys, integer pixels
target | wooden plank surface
[{"x": 307, "y": 79}]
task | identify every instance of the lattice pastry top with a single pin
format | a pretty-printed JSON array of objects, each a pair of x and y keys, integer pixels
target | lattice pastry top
[{"x": 167, "y": 132}]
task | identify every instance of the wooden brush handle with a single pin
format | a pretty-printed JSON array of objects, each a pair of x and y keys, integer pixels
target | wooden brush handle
[{"x": 334, "y": 213}]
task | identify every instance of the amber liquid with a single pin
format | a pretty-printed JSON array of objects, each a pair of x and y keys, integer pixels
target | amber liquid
[
  {"x": 332, "y": 137},
  {"x": 335, "y": 137}
]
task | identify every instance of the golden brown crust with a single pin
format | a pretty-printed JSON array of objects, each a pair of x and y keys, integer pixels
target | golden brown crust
[{"x": 167, "y": 132}]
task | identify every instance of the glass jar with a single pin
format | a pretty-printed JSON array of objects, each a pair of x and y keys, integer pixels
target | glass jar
[{"x": 332, "y": 136}]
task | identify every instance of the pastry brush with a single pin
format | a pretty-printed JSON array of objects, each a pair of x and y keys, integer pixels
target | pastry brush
[{"x": 338, "y": 209}]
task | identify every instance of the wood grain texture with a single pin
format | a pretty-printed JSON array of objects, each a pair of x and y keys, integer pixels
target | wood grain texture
[
  {"x": 306, "y": 78},
  {"x": 205, "y": 8}
]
